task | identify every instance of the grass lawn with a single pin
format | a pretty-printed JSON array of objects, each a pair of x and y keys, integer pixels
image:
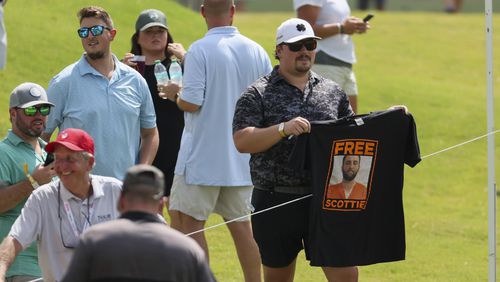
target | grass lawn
[
  {"x": 432, "y": 62},
  {"x": 390, "y": 5}
]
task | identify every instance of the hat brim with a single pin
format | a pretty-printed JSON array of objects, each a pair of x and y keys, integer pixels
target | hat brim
[
  {"x": 153, "y": 24},
  {"x": 50, "y": 147},
  {"x": 34, "y": 103},
  {"x": 298, "y": 38}
]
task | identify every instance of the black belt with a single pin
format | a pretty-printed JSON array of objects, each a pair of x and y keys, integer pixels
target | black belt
[
  {"x": 295, "y": 190},
  {"x": 323, "y": 58}
]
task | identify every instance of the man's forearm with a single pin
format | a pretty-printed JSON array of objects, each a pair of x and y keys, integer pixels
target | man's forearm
[
  {"x": 149, "y": 145},
  {"x": 186, "y": 106},
  {"x": 255, "y": 140},
  {"x": 9, "y": 249},
  {"x": 14, "y": 194}
]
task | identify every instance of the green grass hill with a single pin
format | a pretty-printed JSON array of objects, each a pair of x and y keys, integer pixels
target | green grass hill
[
  {"x": 469, "y": 6},
  {"x": 432, "y": 62}
]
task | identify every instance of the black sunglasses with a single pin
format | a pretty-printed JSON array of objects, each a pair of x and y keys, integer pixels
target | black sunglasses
[
  {"x": 297, "y": 46},
  {"x": 96, "y": 30},
  {"x": 31, "y": 111}
]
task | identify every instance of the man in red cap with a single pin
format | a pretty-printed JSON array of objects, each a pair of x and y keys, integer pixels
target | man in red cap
[{"x": 57, "y": 213}]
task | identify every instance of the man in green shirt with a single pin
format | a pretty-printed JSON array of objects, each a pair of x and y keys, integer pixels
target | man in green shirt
[{"x": 21, "y": 167}]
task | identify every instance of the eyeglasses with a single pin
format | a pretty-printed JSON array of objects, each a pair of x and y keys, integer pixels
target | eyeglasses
[
  {"x": 71, "y": 159},
  {"x": 87, "y": 217},
  {"x": 297, "y": 46},
  {"x": 31, "y": 111},
  {"x": 67, "y": 246},
  {"x": 96, "y": 30}
]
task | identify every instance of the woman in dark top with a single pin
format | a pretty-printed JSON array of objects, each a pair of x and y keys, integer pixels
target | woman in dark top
[{"x": 153, "y": 40}]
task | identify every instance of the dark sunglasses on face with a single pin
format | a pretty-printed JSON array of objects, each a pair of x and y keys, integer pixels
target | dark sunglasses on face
[
  {"x": 96, "y": 30},
  {"x": 297, "y": 46},
  {"x": 31, "y": 111}
]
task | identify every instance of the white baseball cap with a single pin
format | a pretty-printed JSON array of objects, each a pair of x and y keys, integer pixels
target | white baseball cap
[{"x": 293, "y": 30}]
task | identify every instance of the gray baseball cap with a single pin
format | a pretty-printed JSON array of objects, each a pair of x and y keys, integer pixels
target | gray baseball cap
[
  {"x": 28, "y": 94},
  {"x": 144, "y": 180},
  {"x": 149, "y": 18}
]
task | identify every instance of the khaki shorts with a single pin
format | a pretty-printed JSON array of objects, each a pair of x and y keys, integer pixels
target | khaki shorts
[
  {"x": 200, "y": 201},
  {"x": 344, "y": 76}
]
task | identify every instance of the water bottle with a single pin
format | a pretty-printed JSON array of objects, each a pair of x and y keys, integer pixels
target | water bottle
[
  {"x": 175, "y": 72},
  {"x": 160, "y": 73}
]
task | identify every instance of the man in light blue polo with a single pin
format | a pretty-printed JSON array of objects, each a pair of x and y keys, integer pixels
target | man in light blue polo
[
  {"x": 211, "y": 175},
  {"x": 22, "y": 156},
  {"x": 106, "y": 98}
]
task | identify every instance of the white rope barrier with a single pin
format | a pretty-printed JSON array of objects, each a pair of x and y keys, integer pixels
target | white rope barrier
[
  {"x": 241, "y": 217},
  {"x": 461, "y": 144},
  {"x": 310, "y": 195}
]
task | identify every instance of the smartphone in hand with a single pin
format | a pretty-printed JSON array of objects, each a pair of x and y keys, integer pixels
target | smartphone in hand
[
  {"x": 368, "y": 17},
  {"x": 49, "y": 159}
]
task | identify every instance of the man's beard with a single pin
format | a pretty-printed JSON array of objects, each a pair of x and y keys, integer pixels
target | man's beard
[
  {"x": 28, "y": 131},
  {"x": 299, "y": 67},
  {"x": 349, "y": 177},
  {"x": 96, "y": 55}
]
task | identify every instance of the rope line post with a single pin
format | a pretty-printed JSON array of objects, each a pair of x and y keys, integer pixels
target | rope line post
[{"x": 488, "y": 7}]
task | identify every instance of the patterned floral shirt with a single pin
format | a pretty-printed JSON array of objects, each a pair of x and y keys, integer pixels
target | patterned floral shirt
[{"x": 271, "y": 100}]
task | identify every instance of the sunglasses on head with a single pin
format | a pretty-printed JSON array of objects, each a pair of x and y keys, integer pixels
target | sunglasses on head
[
  {"x": 96, "y": 30},
  {"x": 31, "y": 111},
  {"x": 297, "y": 46}
]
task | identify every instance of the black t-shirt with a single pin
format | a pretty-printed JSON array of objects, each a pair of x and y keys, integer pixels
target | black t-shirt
[
  {"x": 368, "y": 153},
  {"x": 170, "y": 123}
]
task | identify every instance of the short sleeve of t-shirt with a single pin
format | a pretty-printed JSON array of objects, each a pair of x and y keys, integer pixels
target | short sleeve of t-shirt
[
  {"x": 27, "y": 226},
  {"x": 248, "y": 111}
]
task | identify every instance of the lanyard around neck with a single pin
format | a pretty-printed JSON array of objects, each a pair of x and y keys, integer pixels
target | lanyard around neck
[{"x": 71, "y": 217}]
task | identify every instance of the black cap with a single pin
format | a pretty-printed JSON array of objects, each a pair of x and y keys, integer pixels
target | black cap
[
  {"x": 149, "y": 18},
  {"x": 144, "y": 180}
]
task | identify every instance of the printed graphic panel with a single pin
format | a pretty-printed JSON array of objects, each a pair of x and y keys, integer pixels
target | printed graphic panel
[{"x": 348, "y": 185}]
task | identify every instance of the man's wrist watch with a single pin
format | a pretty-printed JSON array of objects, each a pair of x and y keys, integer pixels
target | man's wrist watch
[
  {"x": 281, "y": 130},
  {"x": 32, "y": 181}
]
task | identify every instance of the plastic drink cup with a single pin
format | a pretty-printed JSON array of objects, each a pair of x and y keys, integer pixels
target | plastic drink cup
[{"x": 141, "y": 63}]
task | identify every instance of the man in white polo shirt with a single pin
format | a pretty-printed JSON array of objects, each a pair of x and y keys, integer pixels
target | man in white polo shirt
[
  {"x": 210, "y": 174},
  {"x": 58, "y": 212}
]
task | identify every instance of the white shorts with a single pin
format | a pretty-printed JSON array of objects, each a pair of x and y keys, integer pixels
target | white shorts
[
  {"x": 200, "y": 201},
  {"x": 344, "y": 76}
]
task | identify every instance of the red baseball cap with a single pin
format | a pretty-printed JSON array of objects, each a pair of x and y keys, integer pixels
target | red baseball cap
[{"x": 74, "y": 139}]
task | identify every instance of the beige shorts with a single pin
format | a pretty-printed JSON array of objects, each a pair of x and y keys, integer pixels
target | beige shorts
[
  {"x": 344, "y": 76},
  {"x": 200, "y": 201}
]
